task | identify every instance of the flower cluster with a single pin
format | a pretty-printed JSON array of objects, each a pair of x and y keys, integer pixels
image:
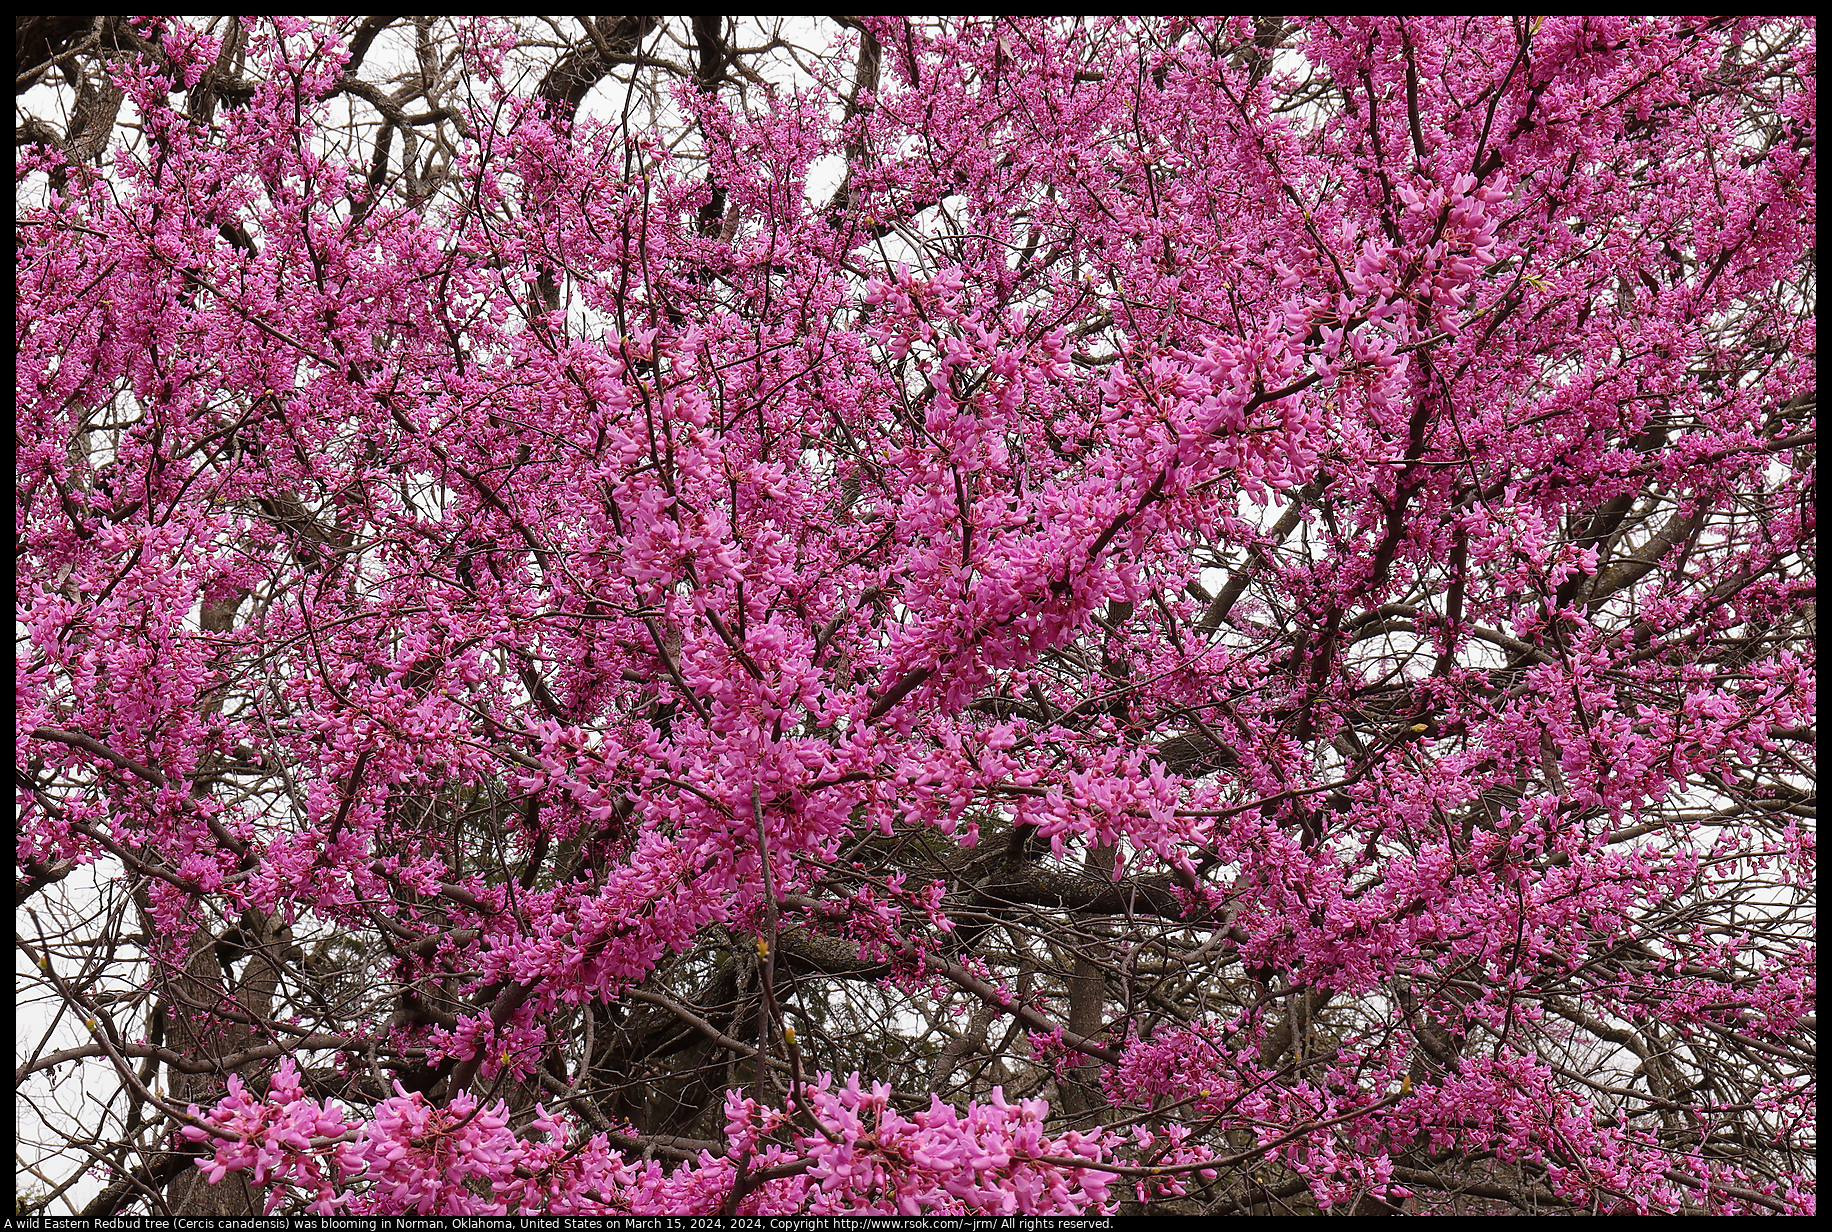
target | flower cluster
[{"x": 1270, "y": 560}]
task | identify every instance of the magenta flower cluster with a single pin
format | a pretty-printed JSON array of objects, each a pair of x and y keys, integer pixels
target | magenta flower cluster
[{"x": 1337, "y": 494}]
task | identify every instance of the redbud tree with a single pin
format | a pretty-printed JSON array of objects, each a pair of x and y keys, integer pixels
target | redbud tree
[{"x": 1006, "y": 615}]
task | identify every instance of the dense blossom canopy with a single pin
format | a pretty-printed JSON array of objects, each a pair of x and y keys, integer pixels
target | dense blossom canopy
[{"x": 1001, "y": 615}]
